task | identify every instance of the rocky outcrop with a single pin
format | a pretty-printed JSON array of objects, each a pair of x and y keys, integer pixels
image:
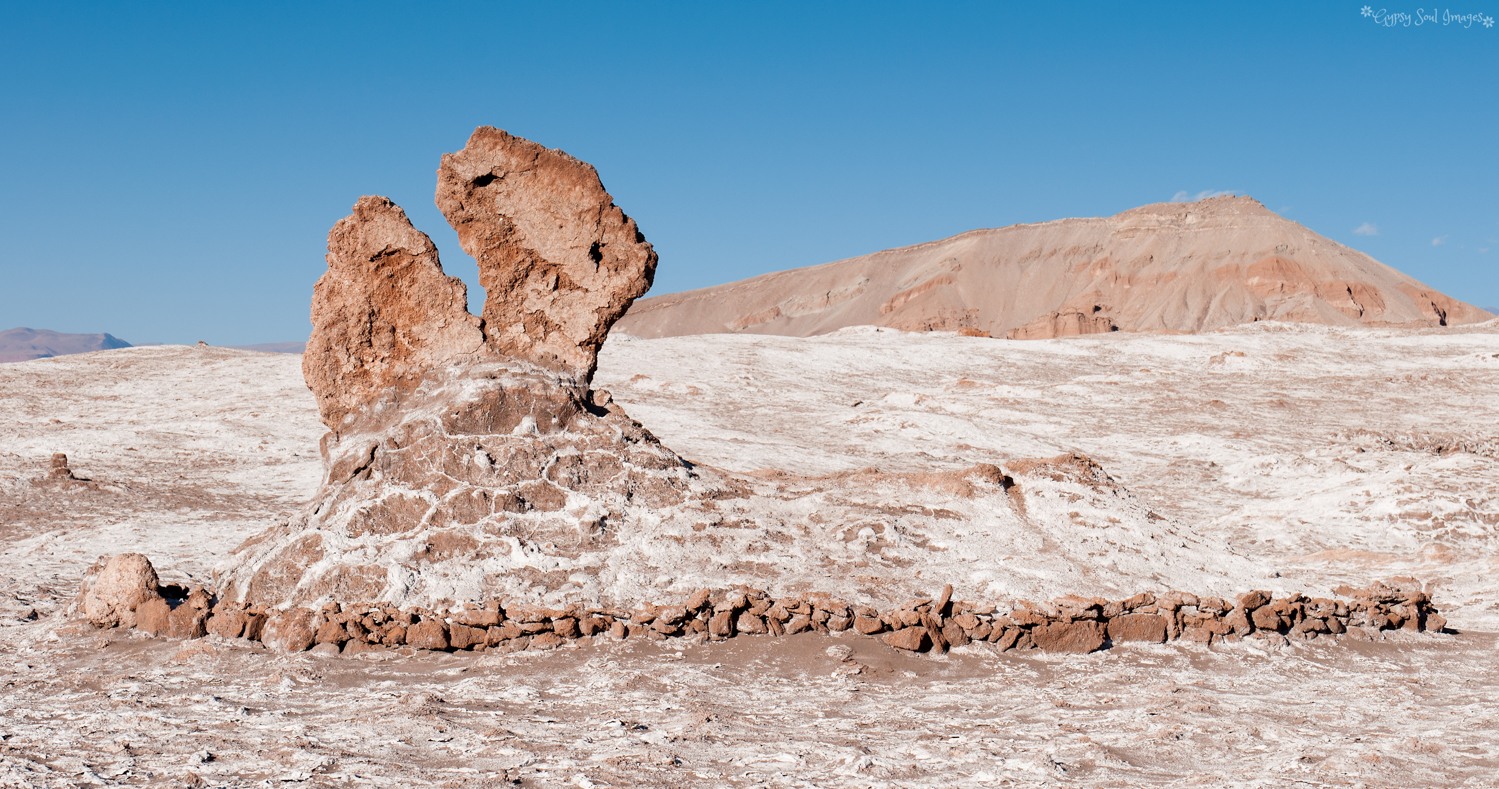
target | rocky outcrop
[
  {"x": 1167, "y": 267},
  {"x": 558, "y": 261},
  {"x": 470, "y": 459},
  {"x": 383, "y": 314},
  {"x": 1065, "y": 323}
]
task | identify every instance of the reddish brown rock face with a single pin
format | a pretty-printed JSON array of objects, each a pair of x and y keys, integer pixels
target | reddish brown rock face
[
  {"x": 1138, "y": 627},
  {"x": 383, "y": 313},
  {"x": 1077, "y": 638},
  {"x": 911, "y": 639},
  {"x": 559, "y": 262}
]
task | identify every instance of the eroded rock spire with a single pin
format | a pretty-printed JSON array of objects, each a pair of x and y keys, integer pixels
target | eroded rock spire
[
  {"x": 384, "y": 313},
  {"x": 559, "y": 262}
]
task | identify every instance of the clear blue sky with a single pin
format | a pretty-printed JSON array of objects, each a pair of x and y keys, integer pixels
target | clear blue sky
[{"x": 168, "y": 173}]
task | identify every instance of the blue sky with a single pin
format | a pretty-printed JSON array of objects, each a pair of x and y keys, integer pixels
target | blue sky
[{"x": 168, "y": 173}]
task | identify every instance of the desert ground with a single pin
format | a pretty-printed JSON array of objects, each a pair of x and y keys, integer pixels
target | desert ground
[{"x": 1315, "y": 456}]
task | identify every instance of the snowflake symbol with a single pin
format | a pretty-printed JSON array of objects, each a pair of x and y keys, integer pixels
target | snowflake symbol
[
  {"x": 1488, "y": 21},
  {"x": 1367, "y": 11}
]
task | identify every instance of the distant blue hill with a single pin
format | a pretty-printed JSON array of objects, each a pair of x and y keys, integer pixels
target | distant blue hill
[{"x": 22, "y": 344}]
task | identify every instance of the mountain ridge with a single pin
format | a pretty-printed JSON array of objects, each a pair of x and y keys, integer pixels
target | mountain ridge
[{"x": 1164, "y": 267}]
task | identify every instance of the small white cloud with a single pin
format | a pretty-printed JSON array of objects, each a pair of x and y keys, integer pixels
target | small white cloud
[
  {"x": 1438, "y": 241},
  {"x": 1366, "y": 229},
  {"x": 1186, "y": 197}
]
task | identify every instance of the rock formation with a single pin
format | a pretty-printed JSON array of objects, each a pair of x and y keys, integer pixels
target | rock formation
[
  {"x": 1069, "y": 625},
  {"x": 468, "y": 459},
  {"x": 452, "y": 457},
  {"x": 559, "y": 262},
  {"x": 1168, "y": 267},
  {"x": 120, "y": 588},
  {"x": 383, "y": 314}
]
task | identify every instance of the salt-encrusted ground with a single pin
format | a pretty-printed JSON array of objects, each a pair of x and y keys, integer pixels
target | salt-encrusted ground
[{"x": 1326, "y": 455}]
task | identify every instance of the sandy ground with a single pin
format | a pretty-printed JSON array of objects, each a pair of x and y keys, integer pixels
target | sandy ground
[{"x": 1329, "y": 455}]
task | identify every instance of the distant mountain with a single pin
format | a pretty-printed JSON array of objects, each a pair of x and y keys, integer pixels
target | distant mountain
[
  {"x": 1167, "y": 267},
  {"x": 273, "y": 347},
  {"x": 22, "y": 344}
]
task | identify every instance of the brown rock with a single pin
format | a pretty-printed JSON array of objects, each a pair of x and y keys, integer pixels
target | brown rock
[
  {"x": 360, "y": 647},
  {"x": 428, "y": 634},
  {"x": 1266, "y": 619},
  {"x": 187, "y": 622},
  {"x": 968, "y": 622},
  {"x": 954, "y": 634},
  {"x": 396, "y": 636},
  {"x": 618, "y": 631},
  {"x": 722, "y": 624},
  {"x": 838, "y": 624},
  {"x": 943, "y": 600},
  {"x": 480, "y": 618},
  {"x": 698, "y": 599},
  {"x": 383, "y": 313},
  {"x": 798, "y": 624},
  {"x": 228, "y": 622},
  {"x": 1215, "y": 624},
  {"x": 1137, "y": 627},
  {"x": 933, "y": 627},
  {"x": 750, "y": 624},
  {"x": 1239, "y": 622},
  {"x": 153, "y": 616},
  {"x": 331, "y": 633},
  {"x": 868, "y": 625},
  {"x": 127, "y": 581},
  {"x": 1005, "y": 637},
  {"x": 464, "y": 637},
  {"x": 1069, "y": 637},
  {"x": 1198, "y": 634},
  {"x": 1252, "y": 600},
  {"x": 911, "y": 639},
  {"x": 289, "y": 631},
  {"x": 566, "y": 627},
  {"x": 545, "y": 641},
  {"x": 558, "y": 261}
]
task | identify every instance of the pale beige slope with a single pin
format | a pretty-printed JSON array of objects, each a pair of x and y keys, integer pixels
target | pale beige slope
[{"x": 1168, "y": 267}]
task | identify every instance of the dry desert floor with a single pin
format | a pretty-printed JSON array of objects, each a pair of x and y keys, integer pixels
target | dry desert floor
[{"x": 1317, "y": 456}]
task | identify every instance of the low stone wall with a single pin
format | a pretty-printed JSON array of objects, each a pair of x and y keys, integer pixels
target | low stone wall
[{"x": 125, "y": 593}]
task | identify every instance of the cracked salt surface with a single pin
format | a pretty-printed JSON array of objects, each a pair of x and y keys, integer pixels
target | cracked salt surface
[{"x": 1326, "y": 455}]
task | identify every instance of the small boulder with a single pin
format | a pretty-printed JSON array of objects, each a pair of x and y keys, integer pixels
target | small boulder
[
  {"x": 1150, "y": 628},
  {"x": 428, "y": 634},
  {"x": 545, "y": 641},
  {"x": 125, "y": 583},
  {"x": 465, "y": 637},
  {"x": 1252, "y": 600},
  {"x": 289, "y": 631},
  {"x": 911, "y": 639},
  {"x": 1078, "y": 638}
]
